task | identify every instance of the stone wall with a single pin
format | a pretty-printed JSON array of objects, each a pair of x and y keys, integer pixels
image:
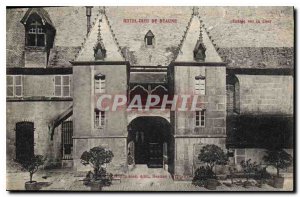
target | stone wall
[
  {"x": 187, "y": 135},
  {"x": 40, "y": 113},
  {"x": 114, "y": 133},
  {"x": 41, "y": 86},
  {"x": 186, "y": 155},
  {"x": 266, "y": 94},
  {"x": 214, "y": 101}
]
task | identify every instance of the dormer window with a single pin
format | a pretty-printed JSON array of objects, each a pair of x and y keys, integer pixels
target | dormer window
[
  {"x": 149, "y": 38},
  {"x": 39, "y": 37},
  {"x": 199, "y": 52},
  {"x": 39, "y": 28},
  {"x": 35, "y": 34},
  {"x": 99, "y": 51}
]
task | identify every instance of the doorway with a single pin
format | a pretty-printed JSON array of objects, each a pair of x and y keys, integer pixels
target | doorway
[
  {"x": 24, "y": 140},
  {"x": 149, "y": 140}
]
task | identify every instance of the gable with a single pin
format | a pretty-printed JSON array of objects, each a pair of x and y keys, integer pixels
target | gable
[
  {"x": 191, "y": 40},
  {"x": 100, "y": 32}
]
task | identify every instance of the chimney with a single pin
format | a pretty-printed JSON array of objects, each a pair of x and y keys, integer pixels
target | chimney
[{"x": 88, "y": 17}]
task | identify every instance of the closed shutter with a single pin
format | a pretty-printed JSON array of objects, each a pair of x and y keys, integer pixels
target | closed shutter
[
  {"x": 18, "y": 85},
  {"x": 57, "y": 82},
  {"x": 9, "y": 86}
]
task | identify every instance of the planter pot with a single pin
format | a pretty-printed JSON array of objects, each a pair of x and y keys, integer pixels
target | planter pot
[
  {"x": 31, "y": 186},
  {"x": 278, "y": 182},
  {"x": 261, "y": 184},
  {"x": 211, "y": 184},
  {"x": 96, "y": 186},
  {"x": 247, "y": 184}
]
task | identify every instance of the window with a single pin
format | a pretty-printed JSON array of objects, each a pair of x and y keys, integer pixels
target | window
[
  {"x": 200, "y": 118},
  {"x": 149, "y": 38},
  {"x": 99, "y": 118},
  {"x": 99, "y": 83},
  {"x": 36, "y": 34},
  {"x": 62, "y": 86},
  {"x": 200, "y": 85},
  {"x": 67, "y": 141},
  {"x": 14, "y": 86},
  {"x": 240, "y": 155},
  {"x": 233, "y": 94}
]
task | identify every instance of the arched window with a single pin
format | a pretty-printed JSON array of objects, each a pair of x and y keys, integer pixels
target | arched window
[
  {"x": 200, "y": 85},
  {"x": 233, "y": 94},
  {"x": 99, "y": 83},
  {"x": 149, "y": 38}
]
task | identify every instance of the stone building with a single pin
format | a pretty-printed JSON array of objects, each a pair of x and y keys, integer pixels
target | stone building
[{"x": 60, "y": 60}]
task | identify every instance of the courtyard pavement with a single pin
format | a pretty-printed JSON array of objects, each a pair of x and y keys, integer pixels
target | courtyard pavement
[{"x": 151, "y": 180}]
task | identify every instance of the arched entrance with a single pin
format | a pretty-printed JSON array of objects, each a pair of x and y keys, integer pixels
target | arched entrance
[{"x": 149, "y": 139}]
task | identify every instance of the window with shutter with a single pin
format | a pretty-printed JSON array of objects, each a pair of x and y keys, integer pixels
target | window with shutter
[
  {"x": 200, "y": 85},
  {"x": 62, "y": 85},
  {"x": 99, "y": 84},
  {"x": 10, "y": 86},
  {"x": 14, "y": 85}
]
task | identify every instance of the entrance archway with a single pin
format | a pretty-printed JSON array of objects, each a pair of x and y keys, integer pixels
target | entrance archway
[{"x": 149, "y": 139}]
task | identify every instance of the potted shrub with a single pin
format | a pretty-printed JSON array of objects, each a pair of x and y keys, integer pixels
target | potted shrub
[
  {"x": 280, "y": 160},
  {"x": 32, "y": 165},
  {"x": 202, "y": 174},
  {"x": 212, "y": 155},
  {"x": 249, "y": 168},
  {"x": 262, "y": 176},
  {"x": 232, "y": 173},
  {"x": 97, "y": 157}
]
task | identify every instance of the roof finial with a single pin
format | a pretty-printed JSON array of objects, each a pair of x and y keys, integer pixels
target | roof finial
[
  {"x": 200, "y": 33},
  {"x": 99, "y": 49},
  {"x": 195, "y": 11},
  {"x": 99, "y": 37}
]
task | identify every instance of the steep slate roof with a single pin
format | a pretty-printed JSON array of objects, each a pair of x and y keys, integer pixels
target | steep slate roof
[
  {"x": 100, "y": 32},
  {"x": 254, "y": 57},
  {"x": 39, "y": 11},
  {"x": 241, "y": 45},
  {"x": 190, "y": 39}
]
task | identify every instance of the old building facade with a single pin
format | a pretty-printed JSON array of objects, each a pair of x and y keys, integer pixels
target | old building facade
[{"x": 245, "y": 92}]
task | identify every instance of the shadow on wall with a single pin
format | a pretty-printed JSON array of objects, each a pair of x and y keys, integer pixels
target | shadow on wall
[{"x": 260, "y": 131}]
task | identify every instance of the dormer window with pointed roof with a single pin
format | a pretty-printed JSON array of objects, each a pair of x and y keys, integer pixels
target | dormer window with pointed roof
[
  {"x": 149, "y": 38},
  {"x": 99, "y": 52},
  {"x": 39, "y": 29},
  {"x": 39, "y": 37},
  {"x": 199, "y": 50},
  {"x": 99, "y": 49}
]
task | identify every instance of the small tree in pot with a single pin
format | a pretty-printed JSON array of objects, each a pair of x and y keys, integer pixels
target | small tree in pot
[
  {"x": 280, "y": 160},
  {"x": 212, "y": 155},
  {"x": 32, "y": 165},
  {"x": 262, "y": 176},
  {"x": 97, "y": 157},
  {"x": 249, "y": 168}
]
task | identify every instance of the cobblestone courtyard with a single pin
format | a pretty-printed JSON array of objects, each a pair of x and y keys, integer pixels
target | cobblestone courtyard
[{"x": 152, "y": 180}]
